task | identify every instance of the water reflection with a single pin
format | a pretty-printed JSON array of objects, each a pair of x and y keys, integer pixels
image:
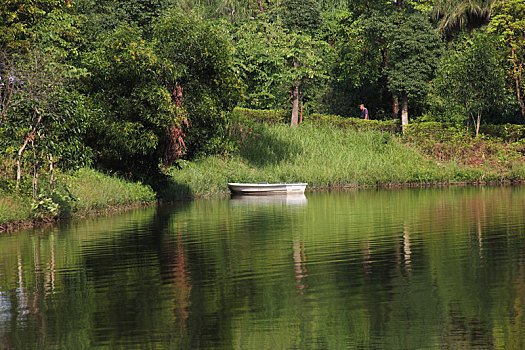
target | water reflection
[
  {"x": 181, "y": 281},
  {"x": 275, "y": 199},
  {"x": 428, "y": 268},
  {"x": 299, "y": 257}
]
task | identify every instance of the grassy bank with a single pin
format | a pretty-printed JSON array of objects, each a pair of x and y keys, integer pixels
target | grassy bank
[
  {"x": 325, "y": 151},
  {"x": 79, "y": 193},
  {"x": 13, "y": 208},
  {"x": 323, "y": 156}
]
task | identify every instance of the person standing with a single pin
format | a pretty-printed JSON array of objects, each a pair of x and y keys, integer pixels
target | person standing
[{"x": 364, "y": 111}]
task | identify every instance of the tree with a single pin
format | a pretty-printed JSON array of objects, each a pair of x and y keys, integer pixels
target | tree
[
  {"x": 471, "y": 78},
  {"x": 18, "y": 18},
  {"x": 455, "y": 15},
  {"x": 275, "y": 63},
  {"x": 34, "y": 111},
  {"x": 107, "y": 15},
  {"x": 508, "y": 23},
  {"x": 231, "y": 9},
  {"x": 199, "y": 60},
  {"x": 409, "y": 51},
  {"x": 309, "y": 62},
  {"x": 35, "y": 74},
  {"x": 302, "y": 16},
  {"x": 259, "y": 58},
  {"x": 133, "y": 109}
]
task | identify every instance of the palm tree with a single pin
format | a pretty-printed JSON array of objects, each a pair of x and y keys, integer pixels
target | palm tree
[
  {"x": 224, "y": 8},
  {"x": 455, "y": 15}
]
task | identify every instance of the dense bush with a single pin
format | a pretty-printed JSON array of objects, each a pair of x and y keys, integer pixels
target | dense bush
[
  {"x": 246, "y": 115},
  {"x": 507, "y": 132},
  {"x": 390, "y": 126}
]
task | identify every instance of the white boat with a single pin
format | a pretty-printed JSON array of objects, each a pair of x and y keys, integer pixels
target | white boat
[{"x": 266, "y": 188}]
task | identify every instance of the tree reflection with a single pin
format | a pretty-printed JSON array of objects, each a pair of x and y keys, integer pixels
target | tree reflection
[
  {"x": 434, "y": 268},
  {"x": 181, "y": 281},
  {"x": 299, "y": 257}
]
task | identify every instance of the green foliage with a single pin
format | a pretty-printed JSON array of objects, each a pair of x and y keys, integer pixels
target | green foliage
[
  {"x": 111, "y": 83},
  {"x": 384, "y": 53},
  {"x": 245, "y": 116},
  {"x": 271, "y": 59},
  {"x": 508, "y": 23},
  {"x": 78, "y": 193},
  {"x": 43, "y": 207},
  {"x": 13, "y": 208},
  {"x": 323, "y": 156},
  {"x": 451, "y": 143},
  {"x": 456, "y": 15},
  {"x": 234, "y": 10},
  {"x": 132, "y": 109},
  {"x": 506, "y": 132},
  {"x": 19, "y": 18},
  {"x": 358, "y": 59},
  {"x": 199, "y": 59},
  {"x": 39, "y": 110},
  {"x": 470, "y": 78},
  {"x": 269, "y": 116},
  {"x": 260, "y": 48},
  {"x": 107, "y": 15},
  {"x": 413, "y": 51},
  {"x": 301, "y": 15},
  {"x": 357, "y": 124}
]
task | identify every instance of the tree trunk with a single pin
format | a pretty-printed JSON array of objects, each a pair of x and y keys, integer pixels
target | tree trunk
[
  {"x": 19, "y": 162},
  {"x": 51, "y": 173},
  {"x": 478, "y": 120},
  {"x": 30, "y": 137},
  {"x": 295, "y": 105},
  {"x": 35, "y": 173},
  {"x": 395, "y": 108},
  {"x": 404, "y": 111},
  {"x": 36, "y": 169},
  {"x": 517, "y": 70},
  {"x": 520, "y": 98},
  {"x": 177, "y": 94}
]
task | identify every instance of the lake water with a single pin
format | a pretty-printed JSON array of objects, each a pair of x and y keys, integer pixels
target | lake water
[{"x": 363, "y": 269}]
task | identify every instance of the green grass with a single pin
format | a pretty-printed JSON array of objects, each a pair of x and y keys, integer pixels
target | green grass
[
  {"x": 81, "y": 192},
  {"x": 13, "y": 208},
  {"x": 322, "y": 156},
  {"x": 93, "y": 190}
]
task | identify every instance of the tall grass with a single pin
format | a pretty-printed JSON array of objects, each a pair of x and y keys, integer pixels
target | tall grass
[
  {"x": 80, "y": 192},
  {"x": 13, "y": 208},
  {"x": 322, "y": 156},
  {"x": 92, "y": 190}
]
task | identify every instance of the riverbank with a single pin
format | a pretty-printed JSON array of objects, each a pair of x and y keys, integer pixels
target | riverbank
[
  {"x": 326, "y": 152},
  {"x": 327, "y": 156},
  {"x": 80, "y": 193}
]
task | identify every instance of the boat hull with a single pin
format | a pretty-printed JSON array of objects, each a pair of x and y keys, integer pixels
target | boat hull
[{"x": 263, "y": 189}]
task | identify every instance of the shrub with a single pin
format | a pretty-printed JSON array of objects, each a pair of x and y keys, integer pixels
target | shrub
[
  {"x": 357, "y": 124},
  {"x": 507, "y": 132}
]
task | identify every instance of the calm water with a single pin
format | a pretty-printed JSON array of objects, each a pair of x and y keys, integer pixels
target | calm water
[{"x": 366, "y": 269}]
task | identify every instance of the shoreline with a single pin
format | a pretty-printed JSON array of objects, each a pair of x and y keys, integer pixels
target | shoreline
[{"x": 19, "y": 225}]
